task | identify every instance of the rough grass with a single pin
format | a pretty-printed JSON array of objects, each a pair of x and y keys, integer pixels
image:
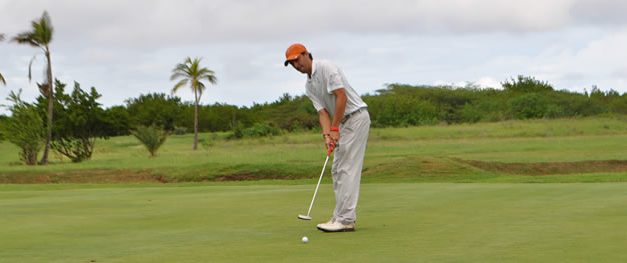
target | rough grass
[{"x": 444, "y": 153}]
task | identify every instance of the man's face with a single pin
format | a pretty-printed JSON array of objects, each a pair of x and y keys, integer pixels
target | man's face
[{"x": 302, "y": 63}]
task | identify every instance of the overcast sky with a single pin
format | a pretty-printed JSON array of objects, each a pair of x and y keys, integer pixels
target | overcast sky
[{"x": 127, "y": 48}]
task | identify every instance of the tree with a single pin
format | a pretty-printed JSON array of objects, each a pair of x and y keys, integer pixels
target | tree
[
  {"x": 156, "y": 109},
  {"x": 79, "y": 121},
  {"x": 40, "y": 36},
  {"x": 526, "y": 84},
  {"x": 24, "y": 128},
  {"x": 191, "y": 72},
  {"x": 2, "y": 80},
  {"x": 119, "y": 121}
]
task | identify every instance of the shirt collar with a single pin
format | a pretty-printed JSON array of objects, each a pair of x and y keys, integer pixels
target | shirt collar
[{"x": 313, "y": 68}]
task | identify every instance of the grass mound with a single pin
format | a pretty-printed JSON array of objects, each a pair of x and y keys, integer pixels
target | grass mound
[{"x": 419, "y": 168}]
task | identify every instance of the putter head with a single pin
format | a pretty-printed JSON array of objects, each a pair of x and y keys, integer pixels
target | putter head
[{"x": 304, "y": 217}]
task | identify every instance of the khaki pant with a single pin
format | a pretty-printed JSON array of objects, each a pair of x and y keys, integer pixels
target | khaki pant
[{"x": 348, "y": 161}]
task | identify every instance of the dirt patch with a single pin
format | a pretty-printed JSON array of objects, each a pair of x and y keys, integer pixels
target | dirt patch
[
  {"x": 256, "y": 177},
  {"x": 85, "y": 176},
  {"x": 139, "y": 176},
  {"x": 549, "y": 168}
]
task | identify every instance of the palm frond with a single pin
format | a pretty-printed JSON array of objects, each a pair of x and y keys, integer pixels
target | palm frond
[
  {"x": 180, "y": 84},
  {"x": 210, "y": 76},
  {"x": 40, "y": 35},
  {"x": 30, "y": 67},
  {"x": 26, "y": 38},
  {"x": 177, "y": 75},
  {"x": 200, "y": 86},
  {"x": 181, "y": 69},
  {"x": 46, "y": 26},
  {"x": 42, "y": 29},
  {"x": 2, "y": 80}
]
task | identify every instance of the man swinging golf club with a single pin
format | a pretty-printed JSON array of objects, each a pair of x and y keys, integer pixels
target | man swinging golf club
[{"x": 345, "y": 122}]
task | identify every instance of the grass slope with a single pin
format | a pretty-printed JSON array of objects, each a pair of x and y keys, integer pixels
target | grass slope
[{"x": 416, "y": 154}]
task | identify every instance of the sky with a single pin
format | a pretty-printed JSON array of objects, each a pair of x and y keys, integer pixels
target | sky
[{"x": 128, "y": 48}]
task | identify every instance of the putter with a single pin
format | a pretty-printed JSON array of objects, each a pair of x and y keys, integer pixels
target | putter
[{"x": 308, "y": 217}]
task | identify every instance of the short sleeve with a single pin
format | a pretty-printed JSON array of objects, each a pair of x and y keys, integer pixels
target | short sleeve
[
  {"x": 317, "y": 105},
  {"x": 334, "y": 79}
]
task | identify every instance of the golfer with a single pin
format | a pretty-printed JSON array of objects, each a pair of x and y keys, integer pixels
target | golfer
[{"x": 345, "y": 123}]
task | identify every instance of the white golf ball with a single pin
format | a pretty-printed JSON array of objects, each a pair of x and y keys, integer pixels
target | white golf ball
[{"x": 305, "y": 239}]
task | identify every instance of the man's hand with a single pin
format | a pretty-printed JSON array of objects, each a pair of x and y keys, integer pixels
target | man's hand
[
  {"x": 330, "y": 144},
  {"x": 335, "y": 136}
]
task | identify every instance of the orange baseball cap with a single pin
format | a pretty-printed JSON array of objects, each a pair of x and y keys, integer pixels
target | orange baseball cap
[{"x": 293, "y": 51}]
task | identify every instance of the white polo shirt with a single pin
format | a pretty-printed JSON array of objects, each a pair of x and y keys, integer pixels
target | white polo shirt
[{"x": 325, "y": 78}]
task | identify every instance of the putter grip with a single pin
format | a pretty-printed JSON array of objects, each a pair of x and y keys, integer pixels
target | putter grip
[{"x": 331, "y": 149}]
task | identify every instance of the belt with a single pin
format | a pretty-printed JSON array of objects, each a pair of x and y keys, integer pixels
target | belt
[{"x": 348, "y": 116}]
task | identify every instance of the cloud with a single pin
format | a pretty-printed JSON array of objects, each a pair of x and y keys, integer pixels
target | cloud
[
  {"x": 127, "y": 48},
  {"x": 598, "y": 12},
  {"x": 595, "y": 63},
  {"x": 161, "y": 23},
  {"x": 489, "y": 82}
]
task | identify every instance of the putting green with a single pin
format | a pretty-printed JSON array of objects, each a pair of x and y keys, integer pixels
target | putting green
[{"x": 398, "y": 223}]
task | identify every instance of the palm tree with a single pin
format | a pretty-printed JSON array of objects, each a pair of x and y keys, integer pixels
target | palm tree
[
  {"x": 191, "y": 72},
  {"x": 2, "y": 80},
  {"x": 40, "y": 36}
]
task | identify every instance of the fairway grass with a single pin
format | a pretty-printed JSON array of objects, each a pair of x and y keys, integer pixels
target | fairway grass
[{"x": 429, "y": 222}]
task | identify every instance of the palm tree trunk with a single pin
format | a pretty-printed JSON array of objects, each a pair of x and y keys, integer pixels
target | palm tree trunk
[
  {"x": 44, "y": 158},
  {"x": 196, "y": 121}
]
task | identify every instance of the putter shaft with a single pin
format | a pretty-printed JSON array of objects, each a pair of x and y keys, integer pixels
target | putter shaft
[{"x": 318, "y": 185}]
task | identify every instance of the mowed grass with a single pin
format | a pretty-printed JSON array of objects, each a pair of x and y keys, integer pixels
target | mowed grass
[
  {"x": 397, "y": 223},
  {"x": 415, "y": 154}
]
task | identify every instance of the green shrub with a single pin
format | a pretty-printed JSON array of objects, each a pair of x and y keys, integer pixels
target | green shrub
[
  {"x": 238, "y": 132},
  {"x": 400, "y": 110},
  {"x": 256, "y": 131},
  {"x": 261, "y": 130},
  {"x": 471, "y": 113},
  {"x": 526, "y": 84},
  {"x": 25, "y": 128},
  {"x": 179, "y": 130},
  {"x": 152, "y": 137},
  {"x": 208, "y": 142},
  {"x": 3, "y": 121},
  {"x": 78, "y": 121},
  {"x": 529, "y": 106}
]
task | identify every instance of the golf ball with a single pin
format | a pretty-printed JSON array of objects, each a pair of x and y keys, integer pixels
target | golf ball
[{"x": 305, "y": 239}]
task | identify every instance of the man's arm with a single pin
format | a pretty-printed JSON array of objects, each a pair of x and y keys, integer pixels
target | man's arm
[
  {"x": 332, "y": 136},
  {"x": 340, "y": 107},
  {"x": 325, "y": 121},
  {"x": 325, "y": 124}
]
